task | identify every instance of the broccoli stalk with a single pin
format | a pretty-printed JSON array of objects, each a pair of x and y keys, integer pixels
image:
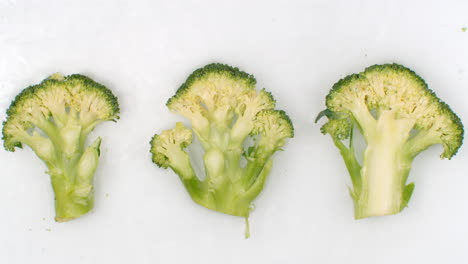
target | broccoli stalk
[
  {"x": 225, "y": 111},
  {"x": 54, "y": 119},
  {"x": 74, "y": 173},
  {"x": 399, "y": 117}
]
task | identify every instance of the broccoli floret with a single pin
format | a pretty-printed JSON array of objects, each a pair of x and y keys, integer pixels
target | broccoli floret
[
  {"x": 54, "y": 118},
  {"x": 226, "y": 111},
  {"x": 399, "y": 117}
]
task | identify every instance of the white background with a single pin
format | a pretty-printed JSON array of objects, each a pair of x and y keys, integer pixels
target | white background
[{"x": 143, "y": 50}]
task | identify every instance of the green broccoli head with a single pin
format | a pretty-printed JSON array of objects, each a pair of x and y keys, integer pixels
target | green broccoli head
[
  {"x": 225, "y": 110},
  {"x": 215, "y": 95},
  {"x": 274, "y": 128},
  {"x": 168, "y": 149},
  {"x": 54, "y": 118},
  {"x": 55, "y": 100},
  {"x": 399, "y": 117}
]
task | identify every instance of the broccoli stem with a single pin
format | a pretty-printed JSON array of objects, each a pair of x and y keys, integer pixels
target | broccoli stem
[
  {"x": 381, "y": 192},
  {"x": 385, "y": 169},
  {"x": 253, "y": 170},
  {"x": 353, "y": 166},
  {"x": 225, "y": 191},
  {"x": 259, "y": 182},
  {"x": 384, "y": 174},
  {"x": 72, "y": 177},
  {"x": 228, "y": 187},
  {"x": 235, "y": 198},
  {"x": 72, "y": 182},
  {"x": 230, "y": 203},
  {"x": 69, "y": 205}
]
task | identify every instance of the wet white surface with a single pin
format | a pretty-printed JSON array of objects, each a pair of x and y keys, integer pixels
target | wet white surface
[{"x": 143, "y": 50}]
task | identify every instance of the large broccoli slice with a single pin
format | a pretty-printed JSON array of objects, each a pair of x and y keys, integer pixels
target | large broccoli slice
[
  {"x": 54, "y": 118},
  {"x": 225, "y": 111},
  {"x": 399, "y": 117}
]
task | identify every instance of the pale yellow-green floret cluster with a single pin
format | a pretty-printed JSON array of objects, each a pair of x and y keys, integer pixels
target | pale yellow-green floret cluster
[
  {"x": 398, "y": 90},
  {"x": 170, "y": 145},
  {"x": 274, "y": 126},
  {"x": 55, "y": 103},
  {"x": 215, "y": 96}
]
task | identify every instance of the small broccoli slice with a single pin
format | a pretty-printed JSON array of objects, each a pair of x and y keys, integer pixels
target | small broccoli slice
[
  {"x": 54, "y": 118},
  {"x": 226, "y": 111},
  {"x": 399, "y": 117}
]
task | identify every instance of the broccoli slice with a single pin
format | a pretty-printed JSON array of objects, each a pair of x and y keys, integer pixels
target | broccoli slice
[
  {"x": 225, "y": 111},
  {"x": 399, "y": 117},
  {"x": 54, "y": 118}
]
